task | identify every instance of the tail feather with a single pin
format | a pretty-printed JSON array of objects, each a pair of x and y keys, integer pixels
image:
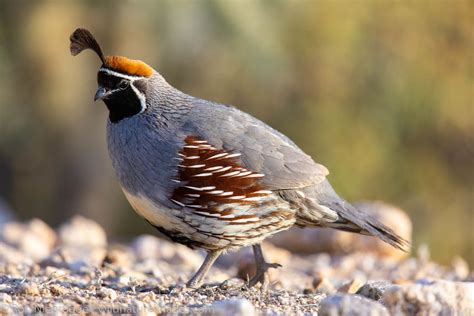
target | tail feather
[{"x": 352, "y": 219}]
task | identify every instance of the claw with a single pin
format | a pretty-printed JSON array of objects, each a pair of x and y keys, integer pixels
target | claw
[
  {"x": 262, "y": 268},
  {"x": 262, "y": 274}
]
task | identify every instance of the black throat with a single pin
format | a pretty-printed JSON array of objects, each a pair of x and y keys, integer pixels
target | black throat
[
  {"x": 123, "y": 104},
  {"x": 123, "y": 100}
]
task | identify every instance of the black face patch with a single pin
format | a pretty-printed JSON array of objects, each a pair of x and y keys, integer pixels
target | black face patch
[{"x": 123, "y": 101}]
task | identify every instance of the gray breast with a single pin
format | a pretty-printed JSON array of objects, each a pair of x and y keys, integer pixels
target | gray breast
[{"x": 143, "y": 156}]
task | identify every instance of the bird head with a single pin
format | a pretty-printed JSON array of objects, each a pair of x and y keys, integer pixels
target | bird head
[{"x": 122, "y": 82}]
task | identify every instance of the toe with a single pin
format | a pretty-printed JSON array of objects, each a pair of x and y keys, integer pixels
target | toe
[{"x": 274, "y": 265}]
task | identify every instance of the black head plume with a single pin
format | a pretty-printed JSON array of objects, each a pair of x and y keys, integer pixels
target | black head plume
[{"x": 82, "y": 39}]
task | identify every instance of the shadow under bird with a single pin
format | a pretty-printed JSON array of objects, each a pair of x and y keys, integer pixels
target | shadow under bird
[{"x": 208, "y": 175}]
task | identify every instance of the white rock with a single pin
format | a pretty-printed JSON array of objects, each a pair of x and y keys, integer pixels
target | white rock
[
  {"x": 83, "y": 243},
  {"x": 10, "y": 254},
  {"x": 107, "y": 293},
  {"x": 33, "y": 238},
  {"x": 431, "y": 298},
  {"x": 148, "y": 247},
  {"x": 5, "y": 298},
  {"x": 375, "y": 289},
  {"x": 351, "y": 305},
  {"x": 82, "y": 232},
  {"x": 28, "y": 288},
  {"x": 232, "y": 307}
]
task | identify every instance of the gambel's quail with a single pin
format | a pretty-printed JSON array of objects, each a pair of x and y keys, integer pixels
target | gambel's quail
[{"x": 208, "y": 175}]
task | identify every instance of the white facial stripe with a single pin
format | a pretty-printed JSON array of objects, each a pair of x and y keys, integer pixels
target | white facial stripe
[
  {"x": 140, "y": 95},
  {"x": 121, "y": 75}
]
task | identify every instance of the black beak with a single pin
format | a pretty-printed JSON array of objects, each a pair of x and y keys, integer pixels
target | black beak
[{"x": 101, "y": 94}]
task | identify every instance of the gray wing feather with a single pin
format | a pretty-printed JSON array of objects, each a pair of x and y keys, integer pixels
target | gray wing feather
[{"x": 263, "y": 149}]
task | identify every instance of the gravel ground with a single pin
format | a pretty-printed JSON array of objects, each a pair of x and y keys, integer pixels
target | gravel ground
[{"x": 74, "y": 269}]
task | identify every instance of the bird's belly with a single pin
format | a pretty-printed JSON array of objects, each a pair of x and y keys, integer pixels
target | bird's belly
[
  {"x": 195, "y": 230},
  {"x": 171, "y": 223},
  {"x": 159, "y": 216}
]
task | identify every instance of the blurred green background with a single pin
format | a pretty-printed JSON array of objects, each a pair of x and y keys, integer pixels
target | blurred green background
[{"x": 379, "y": 92}]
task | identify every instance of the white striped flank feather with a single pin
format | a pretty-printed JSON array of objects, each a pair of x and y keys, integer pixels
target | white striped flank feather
[{"x": 213, "y": 183}]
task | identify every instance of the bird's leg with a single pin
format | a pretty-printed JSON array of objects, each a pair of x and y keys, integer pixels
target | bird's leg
[
  {"x": 262, "y": 267},
  {"x": 197, "y": 279}
]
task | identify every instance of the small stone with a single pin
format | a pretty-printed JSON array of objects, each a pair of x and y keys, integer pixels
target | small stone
[
  {"x": 34, "y": 269},
  {"x": 374, "y": 289},
  {"x": 350, "y": 287},
  {"x": 6, "y": 309},
  {"x": 460, "y": 268},
  {"x": 232, "y": 307},
  {"x": 33, "y": 238},
  {"x": 11, "y": 255},
  {"x": 119, "y": 256},
  {"x": 57, "y": 289},
  {"x": 108, "y": 293},
  {"x": 147, "y": 297},
  {"x": 83, "y": 243},
  {"x": 29, "y": 289},
  {"x": 232, "y": 284},
  {"x": 322, "y": 284},
  {"x": 82, "y": 232},
  {"x": 140, "y": 308},
  {"x": 5, "y": 298},
  {"x": 349, "y": 305},
  {"x": 431, "y": 298},
  {"x": 148, "y": 247}
]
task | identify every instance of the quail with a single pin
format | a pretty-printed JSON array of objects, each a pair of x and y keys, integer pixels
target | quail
[{"x": 208, "y": 175}]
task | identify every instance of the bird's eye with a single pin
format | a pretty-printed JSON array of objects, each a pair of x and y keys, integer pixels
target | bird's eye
[{"x": 123, "y": 84}]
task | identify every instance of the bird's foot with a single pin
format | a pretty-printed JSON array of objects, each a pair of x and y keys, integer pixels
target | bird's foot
[
  {"x": 185, "y": 287},
  {"x": 262, "y": 274},
  {"x": 194, "y": 283}
]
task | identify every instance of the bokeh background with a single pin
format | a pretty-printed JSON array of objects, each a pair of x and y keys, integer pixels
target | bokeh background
[{"x": 379, "y": 92}]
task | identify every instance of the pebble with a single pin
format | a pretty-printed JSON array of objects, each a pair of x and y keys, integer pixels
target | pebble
[
  {"x": 323, "y": 285},
  {"x": 147, "y": 297},
  {"x": 232, "y": 283},
  {"x": 83, "y": 244},
  {"x": 28, "y": 289},
  {"x": 82, "y": 232},
  {"x": 148, "y": 247},
  {"x": 108, "y": 293},
  {"x": 351, "y": 287},
  {"x": 349, "y": 305},
  {"x": 460, "y": 268},
  {"x": 57, "y": 290},
  {"x": 427, "y": 297},
  {"x": 119, "y": 256},
  {"x": 232, "y": 307},
  {"x": 33, "y": 238},
  {"x": 5, "y": 298},
  {"x": 11, "y": 255},
  {"x": 374, "y": 289}
]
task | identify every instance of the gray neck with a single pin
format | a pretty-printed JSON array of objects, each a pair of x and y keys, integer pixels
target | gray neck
[{"x": 164, "y": 102}]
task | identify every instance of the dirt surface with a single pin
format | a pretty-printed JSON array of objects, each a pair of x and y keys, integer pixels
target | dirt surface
[{"x": 86, "y": 274}]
